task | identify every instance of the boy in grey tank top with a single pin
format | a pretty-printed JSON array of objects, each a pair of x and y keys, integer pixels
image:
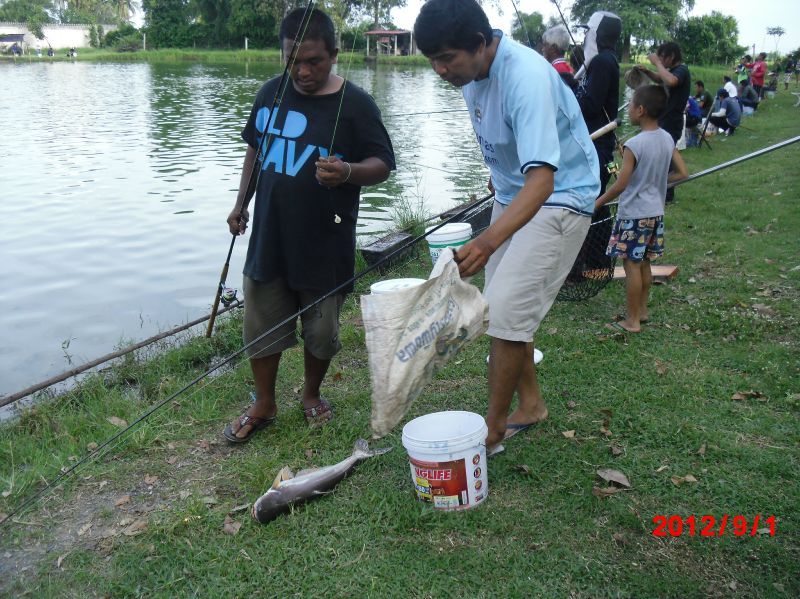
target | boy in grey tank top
[{"x": 649, "y": 162}]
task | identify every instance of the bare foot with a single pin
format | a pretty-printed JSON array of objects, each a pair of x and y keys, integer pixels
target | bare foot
[
  {"x": 623, "y": 326},
  {"x": 529, "y": 417},
  {"x": 261, "y": 412}
]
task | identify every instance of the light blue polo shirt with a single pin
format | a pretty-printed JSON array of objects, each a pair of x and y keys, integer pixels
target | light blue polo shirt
[{"x": 524, "y": 116}]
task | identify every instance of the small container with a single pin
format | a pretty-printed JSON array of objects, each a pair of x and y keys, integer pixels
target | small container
[{"x": 451, "y": 235}]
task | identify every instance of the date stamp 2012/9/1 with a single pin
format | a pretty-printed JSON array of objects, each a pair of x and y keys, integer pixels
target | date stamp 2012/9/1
[{"x": 710, "y": 526}]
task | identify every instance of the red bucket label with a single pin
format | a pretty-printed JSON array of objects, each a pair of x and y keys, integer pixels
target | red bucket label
[{"x": 444, "y": 484}]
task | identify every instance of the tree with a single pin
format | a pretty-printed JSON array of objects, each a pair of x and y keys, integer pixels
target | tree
[
  {"x": 380, "y": 9},
  {"x": 529, "y": 29},
  {"x": 645, "y": 21},
  {"x": 777, "y": 32},
  {"x": 24, "y": 11},
  {"x": 709, "y": 39}
]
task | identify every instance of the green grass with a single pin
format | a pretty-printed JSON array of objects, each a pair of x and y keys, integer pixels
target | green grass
[{"x": 727, "y": 323}]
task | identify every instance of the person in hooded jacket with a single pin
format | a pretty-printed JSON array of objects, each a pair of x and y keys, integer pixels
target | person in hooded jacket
[{"x": 598, "y": 97}]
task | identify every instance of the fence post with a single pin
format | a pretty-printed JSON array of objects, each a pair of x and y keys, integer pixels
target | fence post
[
  {"x": 245, "y": 42},
  {"x": 144, "y": 41}
]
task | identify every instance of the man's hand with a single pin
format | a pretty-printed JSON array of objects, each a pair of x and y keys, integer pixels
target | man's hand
[
  {"x": 654, "y": 59},
  {"x": 332, "y": 171},
  {"x": 237, "y": 221},
  {"x": 473, "y": 256}
]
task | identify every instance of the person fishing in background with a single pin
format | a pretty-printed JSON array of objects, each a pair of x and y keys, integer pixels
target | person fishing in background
[
  {"x": 544, "y": 171},
  {"x": 555, "y": 42},
  {"x": 677, "y": 81},
  {"x": 598, "y": 97},
  {"x": 321, "y": 144}
]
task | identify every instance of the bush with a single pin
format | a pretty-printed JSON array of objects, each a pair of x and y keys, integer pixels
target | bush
[{"x": 124, "y": 31}]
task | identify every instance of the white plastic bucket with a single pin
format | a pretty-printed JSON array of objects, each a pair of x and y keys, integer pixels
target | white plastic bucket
[
  {"x": 447, "y": 455},
  {"x": 392, "y": 285},
  {"x": 452, "y": 235}
]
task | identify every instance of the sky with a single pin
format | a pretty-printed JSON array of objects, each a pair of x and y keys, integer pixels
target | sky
[{"x": 753, "y": 18}]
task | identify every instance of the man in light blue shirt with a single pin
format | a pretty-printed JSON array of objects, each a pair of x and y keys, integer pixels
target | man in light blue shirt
[{"x": 544, "y": 171}]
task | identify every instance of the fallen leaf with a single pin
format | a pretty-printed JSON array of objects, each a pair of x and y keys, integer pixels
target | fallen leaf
[
  {"x": 662, "y": 468},
  {"x": 692, "y": 280},
  {"x": 605, "y": 431},
  {"x": 172, "y": 459},
  {"x": 122, "y": 500},
  {"x": 689, "y": 478},
  {"x": 91, "y": 446},
  {"x": 702, "y": 450},
  {"x": 117, "y": 421},
  {"x": 231, "y": 526},
  {"x": 569, "y": 434},
  {"x": 125, "y": 521},
  {"x": 150, "y": 479},
  {"x": 239, "y": 508},
  {"x": 763, "y": 531},
  {"x": 6, "y": 493},
  {"x": 296, "y": 390},
  {"x": 777, "y": 193},
  {"x": 524, "y": 468},
  {"x": 171, "y": 446},
  {"x": 244, "y": 554},
  {"x": 619, "y": 538},
  {"x": 137, "y": 528},
  {"x": 84, "y": 529},
  {"x": 552, "y": 331},
  {"x": 309, "y": 453},
  {"x": 73, "y": 458},
  {"x": 184, "y": 494},
  {"x": 204, "y": 444},
  {"x": 732, "y": 586},
  {"x": 616, "y": 449},
  {"x": 208, "y": 500},
  {"x": 677, "y": 480},
  {"x": 337, "y": 376},
  {"x": 60, "y": 560},
  {"x": 661, "y": 368},
  {"x": 3, "y": 516},
  {"x": 740, "y": 395},
  {"x": 605, "y": 491},
  {"x": 571, "y": 405},
  {"x": 614, "y": 476},
  {"x": 102, "y": 484}
]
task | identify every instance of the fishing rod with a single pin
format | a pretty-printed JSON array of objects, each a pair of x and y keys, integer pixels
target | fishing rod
[
  {"x": 254, "y": 176},
  {"x": 101, "y": 449},
  {"x": 524, "y": 26}
]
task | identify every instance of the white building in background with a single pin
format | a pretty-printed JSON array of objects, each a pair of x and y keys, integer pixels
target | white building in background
[{"x": 58, "y": 36}]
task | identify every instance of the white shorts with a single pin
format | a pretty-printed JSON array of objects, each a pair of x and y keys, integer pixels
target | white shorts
[{"x": 525, "y": 273}]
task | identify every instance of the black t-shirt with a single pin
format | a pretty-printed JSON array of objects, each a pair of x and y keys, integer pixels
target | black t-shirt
[
  {"x": 672, "y": 120},
  {"x": 294, "y": 233},
  {"x": 598, "y": 96}
]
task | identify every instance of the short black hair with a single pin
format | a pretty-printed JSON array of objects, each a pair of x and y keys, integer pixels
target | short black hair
[
  {"x": 726, "y": 78},
  {"x": 652, "y": 98},
  {"x": 700, "y": 83},
  {"x": 723, "y": 93},
  {"x": 455, "y": 24},
  {"x": 319, "y": 27},
  {"x": 670, "y": 49}
]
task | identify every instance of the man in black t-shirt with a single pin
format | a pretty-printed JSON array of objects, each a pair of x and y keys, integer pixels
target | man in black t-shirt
[
  {"x": 675, "y": 76},
  {"x": 321, "y": 143}
]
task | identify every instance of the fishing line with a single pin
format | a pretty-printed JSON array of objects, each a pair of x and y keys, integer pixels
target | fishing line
[
  {"x": 426, "y": 112},
  {"x": 293, "y": 318},
  {"x": 521, "y": 22}
]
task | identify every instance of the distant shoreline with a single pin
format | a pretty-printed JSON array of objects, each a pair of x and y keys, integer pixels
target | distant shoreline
[{"x": 195, "y": 55}]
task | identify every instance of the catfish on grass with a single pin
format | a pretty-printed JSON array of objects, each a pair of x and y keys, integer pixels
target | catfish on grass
[{"x": 290, "y": 490}]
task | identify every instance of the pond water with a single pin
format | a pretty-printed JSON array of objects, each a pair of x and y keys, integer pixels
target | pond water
[{"x": 117, "y": 179}]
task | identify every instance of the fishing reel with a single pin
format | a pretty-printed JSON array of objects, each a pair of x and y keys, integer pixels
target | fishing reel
[
  {"x": 227, "y": 295},
  {"x": 612, "y": 168}
]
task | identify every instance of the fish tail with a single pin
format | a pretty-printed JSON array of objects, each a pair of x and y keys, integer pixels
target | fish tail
[{"x": 361, "y": 449}]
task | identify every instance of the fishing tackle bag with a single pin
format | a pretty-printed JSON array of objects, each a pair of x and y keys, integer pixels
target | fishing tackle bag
[{"x": 412, "y": 332}]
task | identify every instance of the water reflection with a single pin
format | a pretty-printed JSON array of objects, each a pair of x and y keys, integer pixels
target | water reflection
[{"x": 117, "y": 180}]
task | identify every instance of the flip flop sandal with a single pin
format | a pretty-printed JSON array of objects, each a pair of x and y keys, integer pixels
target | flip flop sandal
[
  {"x": 618, "y": 328},
  {"x": 492, "y": 451},
  {"x": 619, "y": 317},
  {"x": 319, "y": 414},
  {"x": 256, "y": 424},
  {"x": 515, "y": 429}
]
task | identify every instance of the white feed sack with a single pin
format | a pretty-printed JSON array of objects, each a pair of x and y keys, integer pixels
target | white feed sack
[{"x": 412, "y": 332}]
